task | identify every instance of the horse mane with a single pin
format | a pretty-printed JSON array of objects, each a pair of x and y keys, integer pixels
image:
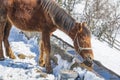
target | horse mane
[{"x": 60, "y": 17}]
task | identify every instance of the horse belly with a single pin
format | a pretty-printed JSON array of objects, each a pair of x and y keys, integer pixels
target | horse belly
[{"x": 26, "y": 25}]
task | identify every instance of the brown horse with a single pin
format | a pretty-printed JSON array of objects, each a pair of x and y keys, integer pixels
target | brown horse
[{"x": 42, "y": 16}]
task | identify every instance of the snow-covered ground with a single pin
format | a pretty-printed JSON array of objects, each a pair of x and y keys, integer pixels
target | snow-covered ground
[
  {"x": 118, "y": 37},
  {"x": 108, "y": 56},
  {"x": 28, "y": 68}
]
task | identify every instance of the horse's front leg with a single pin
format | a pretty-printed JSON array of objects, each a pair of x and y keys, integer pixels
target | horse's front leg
[
  {"x": 42, "y": 54},
  {"x": 46, "y": 48},
  {"x": 9, "y": 52}
]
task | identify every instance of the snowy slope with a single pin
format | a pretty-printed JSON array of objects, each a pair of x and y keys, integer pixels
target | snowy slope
[
  {"x": 109, "y": 57},
  {"x": 28, "y": 68},
  {"x": 23, "y": 69}
]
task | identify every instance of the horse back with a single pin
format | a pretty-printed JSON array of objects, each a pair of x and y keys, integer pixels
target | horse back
[{"x": 28, "y": 15}]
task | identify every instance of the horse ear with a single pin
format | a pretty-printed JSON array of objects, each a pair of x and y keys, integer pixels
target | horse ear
[
  {"x": 84, "y": 24},
  {"x": 79, "y": 27}
]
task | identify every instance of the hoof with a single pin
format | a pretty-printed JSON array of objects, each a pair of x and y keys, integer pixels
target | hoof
[
  {"x": 12, "y": 57},
  {"x": 10, "y": 54},
  {"x": 41, "y": 63},
  {"x": 49, "y": 71}
]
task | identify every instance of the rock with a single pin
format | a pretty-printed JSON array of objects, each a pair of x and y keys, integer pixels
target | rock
[
  {"x": 74, "y": 65},
  {"x": 21, "y": 56},
  {"x": 44, "y": 75},
  {"x": 55, "y": 49},
  {"x": 68, "y": 75}
]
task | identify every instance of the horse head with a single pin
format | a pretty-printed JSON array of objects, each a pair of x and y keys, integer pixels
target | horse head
[{"x": 82, "y": 42}]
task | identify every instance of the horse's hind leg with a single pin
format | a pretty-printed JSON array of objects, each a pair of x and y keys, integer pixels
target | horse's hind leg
[
  {"x": 46, "y": 53},
  {"x": 9, "y": 52},
  {"x": 3, "y": 20},
  {"x": 2, "y": 27}
]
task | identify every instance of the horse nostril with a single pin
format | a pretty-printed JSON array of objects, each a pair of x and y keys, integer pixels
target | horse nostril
[{"x": 88, "y": 62}]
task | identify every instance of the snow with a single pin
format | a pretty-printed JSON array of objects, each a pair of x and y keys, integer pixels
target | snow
[
  {"x": 63, "y": 36},
  {"x": 22, "y": 69},
  {"x": 28, "y": 68},
  {"x": 108, "y": 56},
  {"x": 62, "y": 64},
  {"x": 118, "y": 37},
  {"x": 86, "y": 75},
  {"x": 79, "y": 8}
]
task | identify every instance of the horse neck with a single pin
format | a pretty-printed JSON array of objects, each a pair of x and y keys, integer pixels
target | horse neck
[
  {"x": 59, "y": 16},
  {"x": 73, "y": 32}
]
